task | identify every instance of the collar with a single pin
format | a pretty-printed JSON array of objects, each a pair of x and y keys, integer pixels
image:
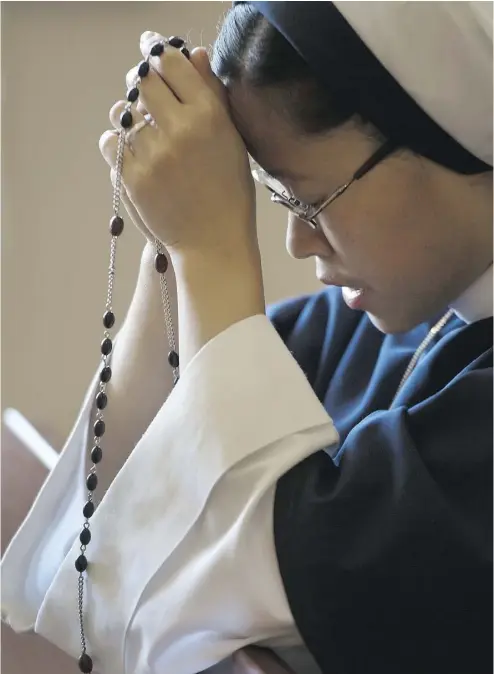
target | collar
[{"x": 476, "y": 302}]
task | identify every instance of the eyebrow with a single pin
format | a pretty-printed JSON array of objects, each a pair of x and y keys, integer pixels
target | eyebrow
[
  {"x": 279, "y": 174},
  {"x": 282, "y": 174}
]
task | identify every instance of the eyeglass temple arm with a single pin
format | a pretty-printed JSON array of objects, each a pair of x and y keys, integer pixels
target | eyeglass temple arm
[{"x": 386, "y": 149}]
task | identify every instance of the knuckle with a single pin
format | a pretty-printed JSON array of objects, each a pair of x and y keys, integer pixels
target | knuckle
[
  {"x": 107, "y": 142},
  {"x": 209, "y": 115},
  {"x": 131, "y": 77},
  {"x": 115, "y": 112}
]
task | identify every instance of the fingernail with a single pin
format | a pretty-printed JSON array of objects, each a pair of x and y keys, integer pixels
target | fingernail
[{"x": 148, "y": 35}]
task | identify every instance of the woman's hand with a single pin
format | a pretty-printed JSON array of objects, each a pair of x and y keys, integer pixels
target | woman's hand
[
  {"x": 254, "y": 660},
  {"x": 188, "y": 177}
]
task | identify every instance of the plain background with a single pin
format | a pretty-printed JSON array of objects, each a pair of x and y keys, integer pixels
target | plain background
[{"x": 63, "y": 67}]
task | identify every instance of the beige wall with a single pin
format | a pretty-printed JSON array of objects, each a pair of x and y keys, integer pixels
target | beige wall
[{"x": 63, "y": 66}]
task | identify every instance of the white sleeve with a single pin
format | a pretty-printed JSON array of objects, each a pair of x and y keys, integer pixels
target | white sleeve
[{"x": 183, "y": 569}]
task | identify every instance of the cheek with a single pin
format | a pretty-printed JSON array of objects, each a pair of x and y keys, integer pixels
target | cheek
[{"x": 384, "y": 243}]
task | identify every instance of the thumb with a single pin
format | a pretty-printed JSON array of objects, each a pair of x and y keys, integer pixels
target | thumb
[{"x": 200, "y": 59}]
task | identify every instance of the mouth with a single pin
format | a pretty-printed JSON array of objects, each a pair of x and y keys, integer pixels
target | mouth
[{"x": 353, "y": 295}]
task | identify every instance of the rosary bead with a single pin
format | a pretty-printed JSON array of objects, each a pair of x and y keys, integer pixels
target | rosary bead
[
  {"x": 173, "y": 358},
  {"x": 116, "y": 225},
  {"x": 105, "y": 375},
  {"x": 126, "y": 119},
  {"x": 81, "y": 563},
  {"x": 109, "y": 319},
  {"x": 176, "y": 42},
  {"x": 85, "y": 664},
  {"x": 143, "y": 69},
  {"x": 106, "y": 346},
  {"x": 160, "y": 263},
  {"x": 92, "y": 481},
  {"x": 133, "y": 95},
  {"x": 157, "y": 49},
  {"x": 85, "y": 536},
  {"x": 96, "y": 454},
  {"x": 101, "y": 400},
  {"x": 99, "y": 428},
  {"x": 185, "y": 52},
  {"x": 88, "y": 510}
]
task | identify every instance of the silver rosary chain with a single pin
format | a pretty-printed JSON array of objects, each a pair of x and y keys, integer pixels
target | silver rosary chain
[
  {"x": 117, "y": 192},
  {"x": 420, "y": 350}
]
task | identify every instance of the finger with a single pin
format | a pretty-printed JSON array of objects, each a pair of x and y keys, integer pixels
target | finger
[
  {"x": 134, "y": 139},
  {"x": 131, "y": 209},
  {"x": 161, "y": 103},
  {"x": 174, "y": 68},
  {"x": 108, "y": 145},
  {"x": 140, "y": 107},
  {"x": 132, "y": 78},
  {"x": 200, "y": 60}
]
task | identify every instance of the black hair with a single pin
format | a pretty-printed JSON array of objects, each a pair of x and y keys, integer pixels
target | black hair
[
  {"x": 249, "y": 49},
  {"x": 326, "y": 76}
]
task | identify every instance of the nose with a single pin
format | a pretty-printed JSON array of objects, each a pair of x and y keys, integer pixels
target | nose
[{"x": 302, "y": 241}]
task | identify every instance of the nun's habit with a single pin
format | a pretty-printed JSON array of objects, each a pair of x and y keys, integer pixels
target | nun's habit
[{"x": 381, "y": 555}]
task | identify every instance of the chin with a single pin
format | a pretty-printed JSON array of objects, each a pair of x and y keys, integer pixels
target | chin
[{"x": 394, "y": 325}]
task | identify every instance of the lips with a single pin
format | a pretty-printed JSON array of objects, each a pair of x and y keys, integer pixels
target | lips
[
  {"x": 352, "y": 291},
  {"x": 353, "y": 297},
  {"x": 339, "y": 282}
]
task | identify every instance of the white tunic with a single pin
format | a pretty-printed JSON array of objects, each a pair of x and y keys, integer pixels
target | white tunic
[{"x": 183, "y": 567}]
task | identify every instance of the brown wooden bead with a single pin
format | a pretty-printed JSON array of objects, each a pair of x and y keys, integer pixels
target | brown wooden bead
[
  {"x": 133, "y": 95},
  {"x": 160, "y": 263},
  {"x": 101, "y": 400},
  {"x": 99, "y": 428},
  {"x": 92, "y": 481},
  {"x": 109, "y": 319},
  {"x": 143, "y": 69},
  {"x": 96, "y": 454},
  {"x": 126, "y": 119},
  {"x": 157, "y": 49},
  {"x": 116, "y": 225},
  {"x": 105, "y": 375},
  {"x": 176, "y": 42},
  {"x": 106, "y": 346},
  {"x": 85, "y": 664},
  {"x": 85, "y": 536},
  {"x": 81, "y": 563}
]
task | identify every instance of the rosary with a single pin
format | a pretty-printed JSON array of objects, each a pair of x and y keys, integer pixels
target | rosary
[{"x": 161, "y": 266}]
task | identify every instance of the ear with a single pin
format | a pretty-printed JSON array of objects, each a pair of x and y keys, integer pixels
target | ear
[{"x": 200, "y": 59}]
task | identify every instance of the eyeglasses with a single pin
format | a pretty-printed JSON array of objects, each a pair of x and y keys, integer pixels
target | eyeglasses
[{"x": 309, "y": 213}]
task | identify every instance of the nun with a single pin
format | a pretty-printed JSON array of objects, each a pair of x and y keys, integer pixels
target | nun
[{"x": 319, "y": 481}]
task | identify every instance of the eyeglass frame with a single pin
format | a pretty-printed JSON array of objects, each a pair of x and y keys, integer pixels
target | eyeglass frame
[{"x": 303, "y": 211}]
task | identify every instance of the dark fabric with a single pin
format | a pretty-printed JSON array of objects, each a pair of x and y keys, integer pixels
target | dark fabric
[
  {"x": 385, "y": 547},
  {"x": 336, "y": 54}
]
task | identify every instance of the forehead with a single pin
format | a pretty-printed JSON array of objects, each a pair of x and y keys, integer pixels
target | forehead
[
  {"x": 267, "y": 133},
  {"x": 312, "y": 160}
]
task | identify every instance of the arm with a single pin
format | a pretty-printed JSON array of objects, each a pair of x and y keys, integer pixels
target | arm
[
  {"x": 213, "y": 295},
  {"x": 141, "y": 376}
]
